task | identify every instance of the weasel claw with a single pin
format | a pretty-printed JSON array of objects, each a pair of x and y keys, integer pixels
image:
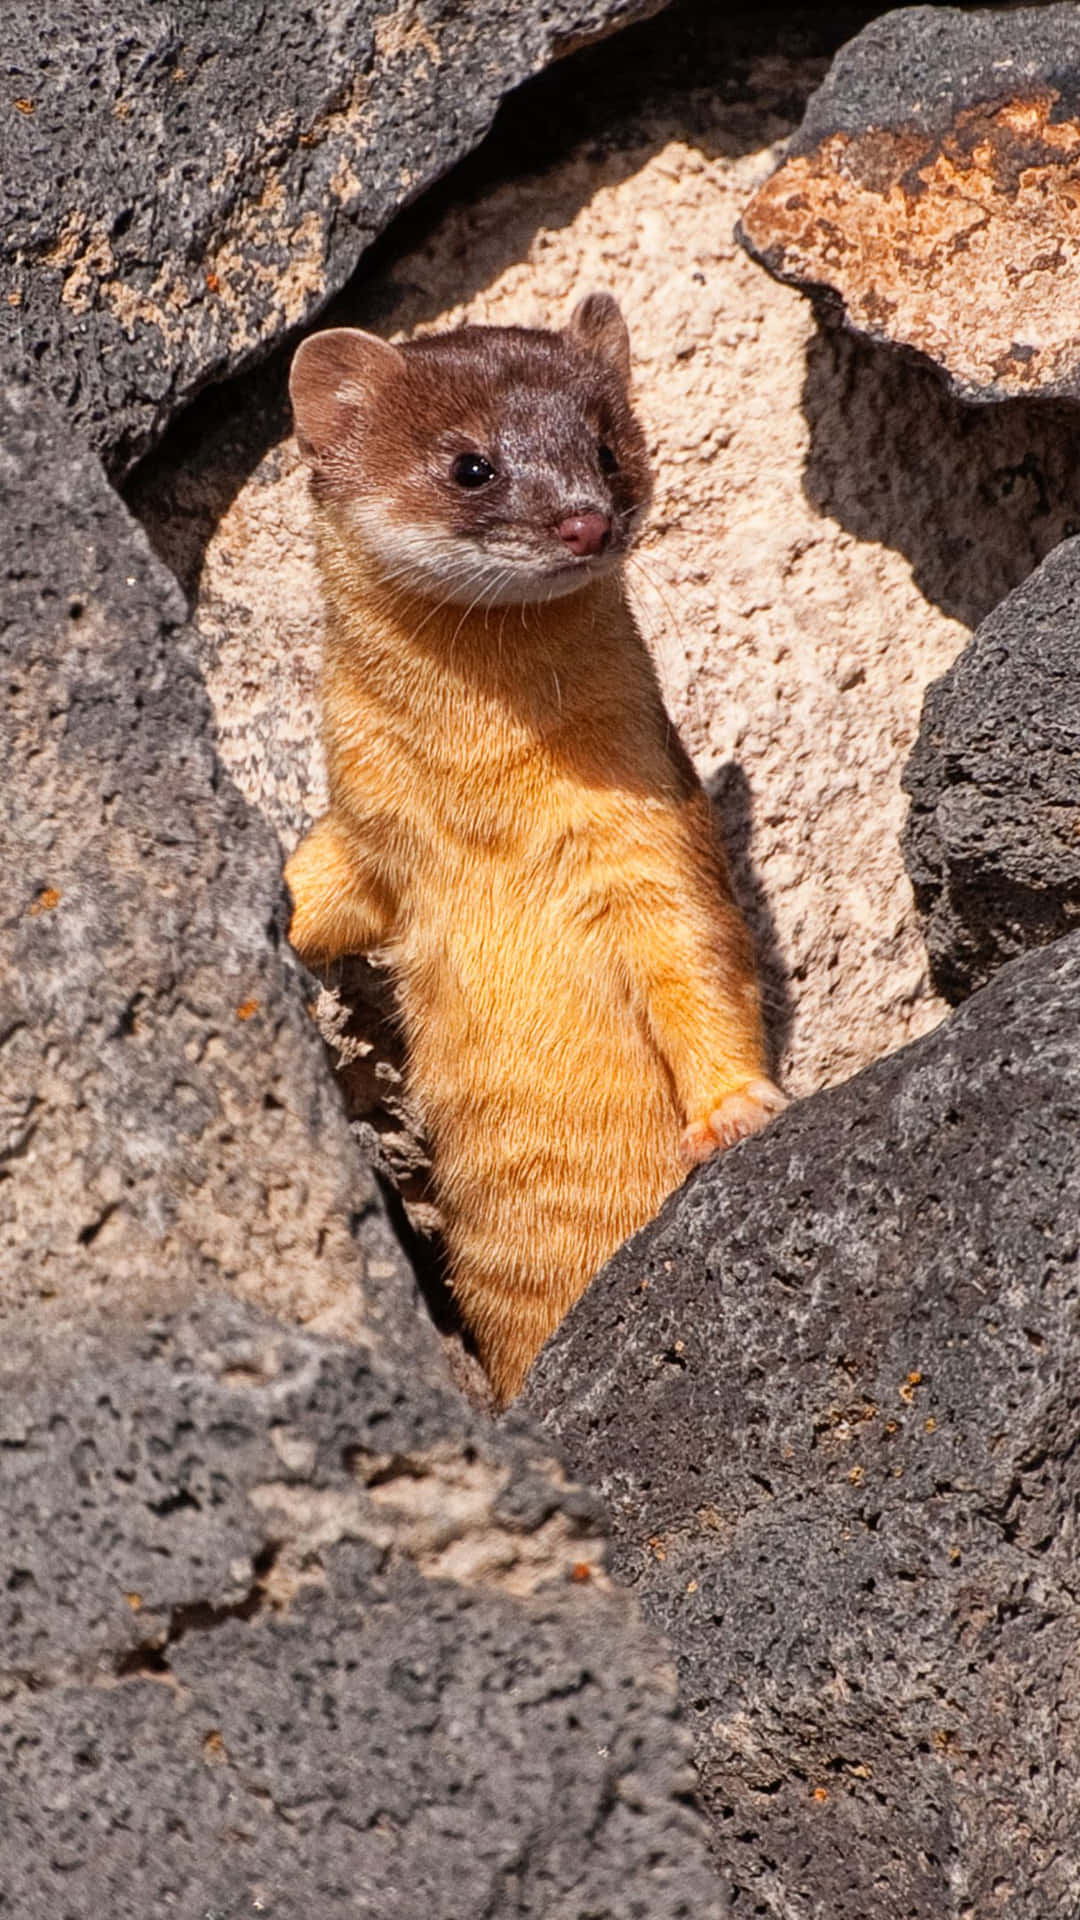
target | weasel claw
[{"x": 746, "y": 1111}]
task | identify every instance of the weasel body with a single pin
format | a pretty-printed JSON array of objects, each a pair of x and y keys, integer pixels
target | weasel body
[{"x": 512, "y": 816}]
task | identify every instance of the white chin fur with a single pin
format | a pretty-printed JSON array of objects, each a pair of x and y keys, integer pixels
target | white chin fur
[
  {"x": 459, "y": 573},
  {"x": 528, "y": 586}
]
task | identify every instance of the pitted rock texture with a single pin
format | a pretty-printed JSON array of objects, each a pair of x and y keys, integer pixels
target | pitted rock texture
[
  {"x": 993, "y": 836},
  {"x": 277, "y": 1637},
  {"x": 167, "y": 1120},
  {"x": 181, "y": 184},
  {"x": 934, "y": 190},
  {"x": 831, "y": 1399}
]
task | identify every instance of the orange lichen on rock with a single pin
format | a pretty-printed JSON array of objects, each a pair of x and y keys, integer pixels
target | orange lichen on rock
[{"x": 963, "y": 245}]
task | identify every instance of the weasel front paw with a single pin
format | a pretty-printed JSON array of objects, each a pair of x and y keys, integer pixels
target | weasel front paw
[{"x": 745, "y": 1111}]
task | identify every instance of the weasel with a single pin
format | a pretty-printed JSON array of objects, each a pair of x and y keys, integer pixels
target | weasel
[{"x": 512, "y": 815}]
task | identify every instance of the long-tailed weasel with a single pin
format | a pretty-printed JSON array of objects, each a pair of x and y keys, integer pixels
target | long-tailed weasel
[{"x": 511, "y": 813}]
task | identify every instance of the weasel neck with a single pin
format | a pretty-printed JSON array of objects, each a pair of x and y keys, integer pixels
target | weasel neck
[
  {"x": 503, "y": 654},
  {"x": 481, "y": 709}
]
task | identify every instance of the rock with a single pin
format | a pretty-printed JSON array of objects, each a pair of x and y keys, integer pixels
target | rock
[
  {"x": 275, "y": 1639},
  {"x": 993, "y": 836},
  {"x": 168, "y": 1122},
  {"x": 831, "y": 1400},
  {"x": 180, "y": 186},
  {"x": 283, "y": 1624},
  {"x": 934, "y": 190}
]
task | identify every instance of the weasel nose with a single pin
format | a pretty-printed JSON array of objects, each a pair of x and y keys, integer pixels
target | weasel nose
[{"x": 585, "y": 533}]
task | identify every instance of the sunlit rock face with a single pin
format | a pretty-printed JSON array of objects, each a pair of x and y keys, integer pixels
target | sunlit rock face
[{"x": 933, "y": 190}]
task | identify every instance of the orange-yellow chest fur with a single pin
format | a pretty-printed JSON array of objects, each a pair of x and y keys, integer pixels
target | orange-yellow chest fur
[{"x": 510, "y": 808}]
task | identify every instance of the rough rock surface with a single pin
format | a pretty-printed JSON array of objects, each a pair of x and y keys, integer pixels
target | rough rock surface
[
  {"x": 284, "y": 1627},
  {"x": 934, "y": 190},
  {"x": 831, "y": 1399},
  {"x": 181, "y": 184},
  {"x": 993, "y": 836},
  {"x": 166, "y": 1119},
  {"x": 275, "y": 1638}
]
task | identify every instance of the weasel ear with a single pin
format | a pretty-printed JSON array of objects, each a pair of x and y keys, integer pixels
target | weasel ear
[
  {"x": 333, "y": 374},
  {"x": 597, "y": 325}
]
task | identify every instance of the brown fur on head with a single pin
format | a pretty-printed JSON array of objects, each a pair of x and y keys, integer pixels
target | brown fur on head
[{"x": 453, "y": 461}]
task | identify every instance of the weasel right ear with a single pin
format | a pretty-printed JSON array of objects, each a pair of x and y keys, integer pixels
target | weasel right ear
[
  {"x": 597, "y": 325},
  {"x": 333, "y": 375}
]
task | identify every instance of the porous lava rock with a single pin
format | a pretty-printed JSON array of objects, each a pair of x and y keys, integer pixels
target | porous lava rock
[
  {"x": 284, "y": 1626},
  {"x": 933, "y": 190},
  {"x": 181, "y": 184},
  {"x": 167, "y": 1122},
  {"x": 280, "y": 1637},
  {"x": 831, "y": 1399},
  {"x": 992, "y": 840}
]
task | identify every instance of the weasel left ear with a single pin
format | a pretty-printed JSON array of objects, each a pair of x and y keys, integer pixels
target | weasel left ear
[
  {"x": 333, "y": 375},
  {"x": 597, "y": 325}
]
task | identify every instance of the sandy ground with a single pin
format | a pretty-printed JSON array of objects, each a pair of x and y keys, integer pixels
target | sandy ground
[{"x": 827, "y": 525}]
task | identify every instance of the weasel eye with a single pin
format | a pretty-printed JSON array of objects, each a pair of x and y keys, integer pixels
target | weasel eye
[
  {"x": 472, "y": 470},
  {"x": 608, "y": 462}
]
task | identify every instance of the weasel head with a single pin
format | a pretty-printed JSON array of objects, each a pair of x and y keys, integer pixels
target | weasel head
[{"x": 490, "y": 466}]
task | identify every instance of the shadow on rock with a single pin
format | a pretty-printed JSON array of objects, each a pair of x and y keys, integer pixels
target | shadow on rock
[
  {"x": 975, "y": 497},
  {"x": 732, "y": 802},
  {"x": 357, "y": 1015}
]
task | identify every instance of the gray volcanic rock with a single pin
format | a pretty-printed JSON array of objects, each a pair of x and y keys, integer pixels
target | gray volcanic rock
[
  {"x": 933, "y": 191},
  {"x": 274, "y": 1638},
  {"x": 992, "y": 840},
  {"x": 166, "y": 1118},
  {"x": 284, "y": 1626},
  {"x": 181, "y": 184},
  {"x": 832, "y": 1400}
]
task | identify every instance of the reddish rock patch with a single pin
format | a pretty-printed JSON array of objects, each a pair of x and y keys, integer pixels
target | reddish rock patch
[{"x": 964, "y": 245}]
